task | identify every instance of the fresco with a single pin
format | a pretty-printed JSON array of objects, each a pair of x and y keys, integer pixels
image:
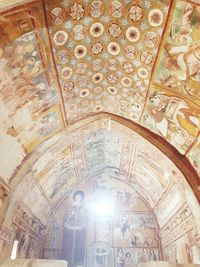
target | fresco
[
  {"x": 24, "y": 240},
  {"x": 65, "y": 171},
  {"x": 173, "y": 118},
  {"x": 61, "y": 61},
  {"x": 4, "y": 4},
  {"x": 172, "y": 201},
  {"x": 34, "y": 249},
  {"x": 65, "y": 160},
  {"x": 99, "y": 255},
  {"x": 104, "y": 240},
  {"x": 131, "y": 230},
  {"x": 146, "y": 179},
  {"x": 100, "y": 152},
  {"x": 114, "y": 46},
  {"x": 27, "y": 88},
  {"x": 11, "y": 148},
  {"x": 38, "y": 204},
  {"x": 179, "y": 64},
  {"x": 127, "y": 257},
  {"x": 193, "y": 155}
]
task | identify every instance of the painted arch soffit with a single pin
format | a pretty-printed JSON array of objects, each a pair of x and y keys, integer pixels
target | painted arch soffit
[
  {"x": 101, "y": 149},
  {"x": 63, "y": 60}
]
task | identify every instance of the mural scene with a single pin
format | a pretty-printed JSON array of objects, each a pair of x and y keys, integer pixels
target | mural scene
[
  {"x": 63, "y": 60},
  {"x": 104, "y": 59},
  {"x": 179, "y": 64},
  {"x": 86, "y": 88},
  {"x": 124, "y": 236},
  {"x": 67, "y": 182}
]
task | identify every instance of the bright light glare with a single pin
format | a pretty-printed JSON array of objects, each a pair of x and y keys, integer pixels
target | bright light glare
[
  {"x": 14, "y": 250},
  {"x": 103, "y": 208}
]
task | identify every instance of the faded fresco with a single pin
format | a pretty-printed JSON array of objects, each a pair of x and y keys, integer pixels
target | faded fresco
[
  {"x": 194, "y": 155},
  {"x": 173, "y": 118},
  {"x": 136, "y": 177},
  {"x": 61, "y": 61},
  {"x": 29, "y": 93},
  {"x": 117, "y": 239},
  {"x": 105, "y": 53},
  {"x": 179, "y": 63},
  {"x": 29, "y": 232}
]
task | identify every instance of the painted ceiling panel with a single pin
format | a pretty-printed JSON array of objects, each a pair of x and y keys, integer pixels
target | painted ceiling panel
[
  {"x": 105, "y": 52},
  {"x": 179, "y": 64},
  {"x": 27, "y": 81},
  {"x": 175, "y": 119}
]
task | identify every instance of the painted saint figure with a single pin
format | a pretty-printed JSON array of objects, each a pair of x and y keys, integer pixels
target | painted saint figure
[{"x": 76, "y": 219}]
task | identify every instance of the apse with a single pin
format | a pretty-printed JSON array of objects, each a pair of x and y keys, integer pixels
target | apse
[
  {"x": 100, "y": 194},
  {"x": 99, "y": 132}
]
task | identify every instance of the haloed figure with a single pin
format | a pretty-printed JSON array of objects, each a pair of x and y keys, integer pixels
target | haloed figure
[{"x": 76, "y": 218}]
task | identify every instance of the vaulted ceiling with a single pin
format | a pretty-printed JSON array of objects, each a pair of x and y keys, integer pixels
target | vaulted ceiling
[
  {"x": 62, "y": 60},
  {"x": 104, "y": 151}
]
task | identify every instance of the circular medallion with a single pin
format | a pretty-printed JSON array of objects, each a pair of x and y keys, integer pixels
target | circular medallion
[
  {"x": 112, "y": 90},
  {"x": 57, "y": 16},
  {"x": 97, "y": 29},
  {"x": 80, "y": 51},
  {"x": 143, "y": 73},
  {"x": 151, "y": 39},
  {"x": 130, "y": 51},
  {"x": 68, "y": 86},
  {"x": 77, "y": 12},
  {"x": 63, "y": 56},
  {"x": 112, "y": 64},
  {"x": 133, "y": 34},
  {"x": 126, "y": 81},
  {"x": 60, "y": 38},
  {"x": 85, "y": 102},
  {"x": 98, "y": 108},
  {"x": 116, "y": 9},
  {"x": 78, "y": 32},
  {"x": 72, "y": 107},
  {"x": 113, "y": 48},
  {"x": 135, "y": 13},
  {"x": 128, "y": 67},
  {"x": 84, "y": 93},
  {"x": 114, "y": 30},
  {"x": 155, "y": 17},
  {"x": 66, "y": 73},
  {"x": 96, "y": 9},
  {"x": 146, "y": 57},
  {"x": 112, "y": 78},
  {"x": 97, "y": 78},
  {"x": 98, "y": 90},
  {"x": 97, "y": 48}
]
